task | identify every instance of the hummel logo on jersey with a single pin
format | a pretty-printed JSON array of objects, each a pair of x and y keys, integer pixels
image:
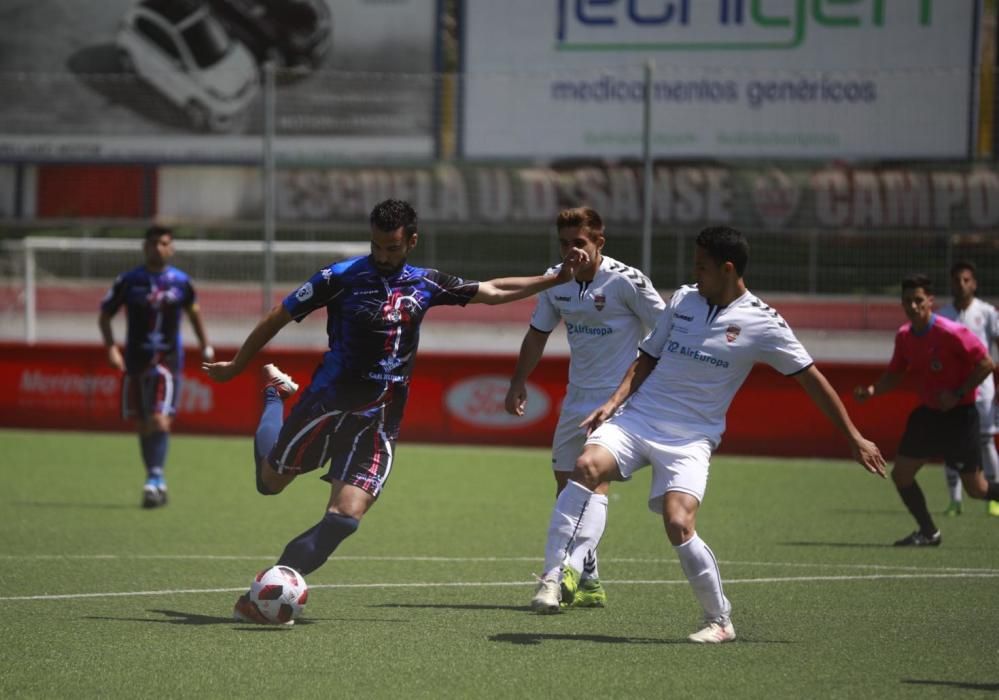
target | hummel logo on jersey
[
  {"x": 561, "y": 298},
  {"x": 685, "y": 317},
  {"x": 732, "y": 332},
  {"x": 599, "y": 301}
]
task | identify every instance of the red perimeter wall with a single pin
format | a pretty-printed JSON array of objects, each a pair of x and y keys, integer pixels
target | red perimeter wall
[{"x": 454, "y": 398}]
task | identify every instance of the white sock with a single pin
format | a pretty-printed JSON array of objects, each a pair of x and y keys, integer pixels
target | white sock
[
  {"x": 953, "y": 483},
  {"x": 990, "y": 460},
  {"x": 699, "y": 564},
  {"x": 589, "y": 566},
  {"x": 564, "y": 528},
  {"x": 583, "y": 553}
]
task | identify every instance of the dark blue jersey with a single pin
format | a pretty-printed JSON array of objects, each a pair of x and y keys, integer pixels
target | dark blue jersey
[
  {"x": 153, "y": 303},
  {"x": 373, "y": 322}
]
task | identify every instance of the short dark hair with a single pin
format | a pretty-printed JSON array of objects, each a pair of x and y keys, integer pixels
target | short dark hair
[
  {"x": 917, "y": 280},
  {"x": 580, "y": 217},
  {"x": 725, "y": 244},
  {"x": 393, "y": 213},
  {"x": 961, "y": 266},
  {"x": 154, "y": 232}
]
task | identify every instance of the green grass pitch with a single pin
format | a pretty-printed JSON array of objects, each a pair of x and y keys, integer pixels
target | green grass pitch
[{"x": 430, "y": 598}]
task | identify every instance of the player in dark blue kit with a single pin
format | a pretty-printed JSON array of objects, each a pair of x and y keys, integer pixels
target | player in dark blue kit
[
  {"x": 351, "y": 411},
  {"x": 154, "y": 295}
]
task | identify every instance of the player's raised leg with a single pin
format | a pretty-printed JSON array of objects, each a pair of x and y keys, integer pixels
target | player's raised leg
[{"x": 278, "y": 386}]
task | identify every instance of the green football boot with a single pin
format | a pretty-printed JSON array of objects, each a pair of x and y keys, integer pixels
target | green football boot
[
  {"x": 570, "y": 584},
  {"x": 590, "y": 594},
  {"x": 954, "y": 509}
]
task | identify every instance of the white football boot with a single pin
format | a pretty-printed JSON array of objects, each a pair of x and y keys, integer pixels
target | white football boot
[
  {"x": 547, "y": 597},
  {"x": 714, "y": 633}
]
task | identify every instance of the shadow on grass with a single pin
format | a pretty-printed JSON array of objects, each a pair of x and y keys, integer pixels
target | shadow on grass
[
  {"x": 78, "y": 504},
  {"x": 451, "y": 606},
  {"x": 177, "y": 617},
  {"x": 534, "y": 638},
  {"x": 856, "y": 545},
  {"x": 954, "y": 684}
]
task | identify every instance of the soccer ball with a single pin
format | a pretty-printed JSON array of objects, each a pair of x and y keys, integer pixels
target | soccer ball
[{"x": 279, "y": 593}]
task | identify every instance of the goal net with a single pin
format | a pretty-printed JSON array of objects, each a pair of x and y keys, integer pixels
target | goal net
[{"x": 52, "y": 287}]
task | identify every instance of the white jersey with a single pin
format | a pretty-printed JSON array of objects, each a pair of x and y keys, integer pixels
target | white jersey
[
  {"x": 604, "y": 321},
  {"x": 705, "y": 353},
  {"x": 982, "y": 319}
]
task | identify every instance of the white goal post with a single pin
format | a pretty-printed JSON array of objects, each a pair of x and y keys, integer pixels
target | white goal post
[{"x": 315, "y": 254}]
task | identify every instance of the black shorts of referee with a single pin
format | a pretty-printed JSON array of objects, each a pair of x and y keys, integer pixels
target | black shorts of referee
[{"x": 951, "y": 434}]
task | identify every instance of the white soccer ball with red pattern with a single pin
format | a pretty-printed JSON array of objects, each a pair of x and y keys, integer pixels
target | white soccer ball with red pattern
[{"x": 279, "y": 593}]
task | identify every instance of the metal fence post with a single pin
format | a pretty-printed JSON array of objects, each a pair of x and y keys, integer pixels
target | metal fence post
[
  {"x": 270, "y": 214},
  {"x": 647, "y": 159}
]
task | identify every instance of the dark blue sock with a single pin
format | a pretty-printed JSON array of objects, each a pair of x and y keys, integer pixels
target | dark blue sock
[
  {"x": 267, "y": 433},
  {"x": 154, "y": 452},
  {"x": 312, "y": 548}
]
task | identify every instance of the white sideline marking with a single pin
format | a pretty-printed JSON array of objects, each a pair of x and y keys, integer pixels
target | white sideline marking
[
  {"x": 501, "y": 584},
  {"x": 625, "y": 560}
]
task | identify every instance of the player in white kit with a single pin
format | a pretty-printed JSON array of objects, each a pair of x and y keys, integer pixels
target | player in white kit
[
  {"x": 607, "y": 309},
  {"x": 678, "y": 391},
  {"x": 982, "y": 319}
]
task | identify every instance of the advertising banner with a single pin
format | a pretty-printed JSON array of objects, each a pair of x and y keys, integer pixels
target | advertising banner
[
  {"x": 744, "y": 78},
  {"x": 775, "y": 196},
  {"x": 454, "y": 398},
  {"x": 162, "y": 80}
]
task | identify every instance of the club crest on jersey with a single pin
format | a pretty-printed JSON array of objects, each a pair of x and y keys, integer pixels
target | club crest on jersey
[
  {"x": 732, "y": 332},
  {"x": 599, "y": 301}
]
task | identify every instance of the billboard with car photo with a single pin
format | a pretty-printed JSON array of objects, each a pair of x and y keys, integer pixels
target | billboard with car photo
[{"x": 181, "y": 80}]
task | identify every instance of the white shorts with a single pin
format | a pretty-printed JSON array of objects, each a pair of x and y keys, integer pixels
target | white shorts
[
  {"x": 679, "y": 462},
  {"x": 569, "y": 438},
  {"x": 985, "y": 403}
]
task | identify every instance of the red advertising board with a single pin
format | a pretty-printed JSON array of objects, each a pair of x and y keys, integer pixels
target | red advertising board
[{"x": 455, "y": 398}]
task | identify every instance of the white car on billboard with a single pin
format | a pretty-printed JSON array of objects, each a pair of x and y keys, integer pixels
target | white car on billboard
[{"x": 181, "y": 50}]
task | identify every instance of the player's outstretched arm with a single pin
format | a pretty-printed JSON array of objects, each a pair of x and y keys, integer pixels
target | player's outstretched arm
[
  {"x": 865, "y": 452},
  {"x": 267, "y": 328},
  {"x": 506, "y": 289},
  {"x": 531, "y": 349}
]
